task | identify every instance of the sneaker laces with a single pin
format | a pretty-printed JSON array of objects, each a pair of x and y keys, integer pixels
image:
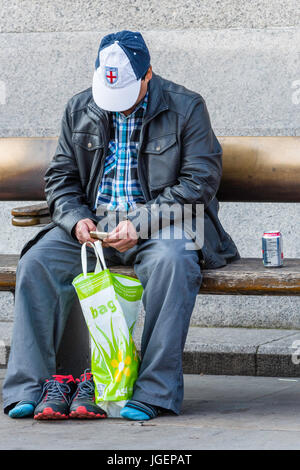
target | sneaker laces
[
  {"x": 86, "y": 388},
  {"x": 56, "y": 390}
]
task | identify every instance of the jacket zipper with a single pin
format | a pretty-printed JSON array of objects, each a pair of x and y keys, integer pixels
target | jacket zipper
[
  {"x": 139, "y": 170},
  {"x": 101, "y": 169}
]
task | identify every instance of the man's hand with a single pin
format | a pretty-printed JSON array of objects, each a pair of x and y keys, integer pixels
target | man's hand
[
  {"x": 83, "y": 229},
  {"x": 123, "y": 237}
]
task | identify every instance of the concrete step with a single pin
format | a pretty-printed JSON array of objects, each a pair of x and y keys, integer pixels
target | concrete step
[
  {"x": 220, "y": 311},
  {"x": 222, "y": 351}
]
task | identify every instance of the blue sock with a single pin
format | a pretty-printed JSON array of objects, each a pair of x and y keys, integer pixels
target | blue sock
[
  {"x": 138, "y": 411},
  {"x": 22, "y": 409}
]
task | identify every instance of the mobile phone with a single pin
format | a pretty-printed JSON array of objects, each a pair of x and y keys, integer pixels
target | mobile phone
[{"x": 99, "y": 235}]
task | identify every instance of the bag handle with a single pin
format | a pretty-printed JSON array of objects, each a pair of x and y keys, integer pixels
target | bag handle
[
  {"x": 99, "y": 250},
  {"x": 99, "y": 265}
]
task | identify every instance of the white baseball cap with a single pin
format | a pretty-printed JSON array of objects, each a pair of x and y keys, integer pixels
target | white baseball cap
[{"x": 123, "y": 58}]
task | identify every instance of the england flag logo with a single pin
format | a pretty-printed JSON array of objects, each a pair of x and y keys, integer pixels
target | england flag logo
[{"x": 111, "y": 75}]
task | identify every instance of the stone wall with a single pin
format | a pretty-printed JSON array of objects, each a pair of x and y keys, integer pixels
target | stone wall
[{"x": 242, "y": 56}]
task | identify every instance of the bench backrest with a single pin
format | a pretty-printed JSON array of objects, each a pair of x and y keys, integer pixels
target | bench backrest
[{"x": 255, "y": 169}]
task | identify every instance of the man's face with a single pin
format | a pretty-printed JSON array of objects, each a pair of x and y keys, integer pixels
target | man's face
[{"x": 143, "y": 91}]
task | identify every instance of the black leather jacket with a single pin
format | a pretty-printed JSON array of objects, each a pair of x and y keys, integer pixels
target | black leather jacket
[{"x": 179, "y": 161}]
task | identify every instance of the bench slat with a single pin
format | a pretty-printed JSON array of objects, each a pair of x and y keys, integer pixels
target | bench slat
[
  {"x": 30, "y": 221},
  {"x": 247, "y": 276},
  {"x": 32, "y": 211},
  {"x": 8, "y": 266}
]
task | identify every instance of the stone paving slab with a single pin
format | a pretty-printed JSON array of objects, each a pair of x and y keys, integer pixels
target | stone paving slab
[{"x": 219, "y": 412}]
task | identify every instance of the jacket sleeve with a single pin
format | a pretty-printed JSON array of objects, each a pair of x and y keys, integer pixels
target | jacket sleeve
[
  {"x": 63, "y": 190},
  {"x": 201, "y": 166}
]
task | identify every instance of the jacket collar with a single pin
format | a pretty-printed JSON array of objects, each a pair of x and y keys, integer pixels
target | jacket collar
[
  {"x": 156, "y": 102},
  {"x": 95, "y": 112}
]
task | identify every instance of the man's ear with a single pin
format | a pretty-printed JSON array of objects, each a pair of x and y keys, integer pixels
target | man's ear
[{"x": 148, "y": 74}]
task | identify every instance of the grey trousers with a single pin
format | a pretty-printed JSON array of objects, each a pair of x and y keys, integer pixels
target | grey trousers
[{"x": 171, "y": 278}]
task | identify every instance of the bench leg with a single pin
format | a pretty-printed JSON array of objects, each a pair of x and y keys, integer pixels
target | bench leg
[{"x": 74, "y": 356}]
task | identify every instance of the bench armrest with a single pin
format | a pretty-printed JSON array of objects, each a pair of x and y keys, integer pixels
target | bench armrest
[
  {"x": 31, "y": 211},
  {"x": 28, "y": 216}
]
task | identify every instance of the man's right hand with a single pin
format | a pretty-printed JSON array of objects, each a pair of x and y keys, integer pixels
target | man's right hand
[{"x": 83, "y": 229}]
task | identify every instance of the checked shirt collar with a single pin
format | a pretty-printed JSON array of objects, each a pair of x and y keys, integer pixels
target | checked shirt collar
[{"x": 120, "y": 188}]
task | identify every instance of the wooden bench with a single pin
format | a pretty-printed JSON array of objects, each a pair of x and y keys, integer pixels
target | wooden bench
[{"x": 255, "y": 169}]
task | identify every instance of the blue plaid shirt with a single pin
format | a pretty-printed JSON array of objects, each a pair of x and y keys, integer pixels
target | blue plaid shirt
[{"x": 120, "y": 188}]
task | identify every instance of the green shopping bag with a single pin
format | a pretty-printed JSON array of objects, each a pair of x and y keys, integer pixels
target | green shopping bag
[{"x": 110, "y": 304}]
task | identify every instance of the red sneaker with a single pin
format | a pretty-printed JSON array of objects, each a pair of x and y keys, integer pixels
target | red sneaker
[
  {"x": 56, "y": 398},
  {"x": 83, "y": 402}
]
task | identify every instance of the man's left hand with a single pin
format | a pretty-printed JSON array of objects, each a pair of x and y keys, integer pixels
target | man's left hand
[{"x": 123, "y": 237}]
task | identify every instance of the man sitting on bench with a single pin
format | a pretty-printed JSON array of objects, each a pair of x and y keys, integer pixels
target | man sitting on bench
[{"x": 132, "y": 141}]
